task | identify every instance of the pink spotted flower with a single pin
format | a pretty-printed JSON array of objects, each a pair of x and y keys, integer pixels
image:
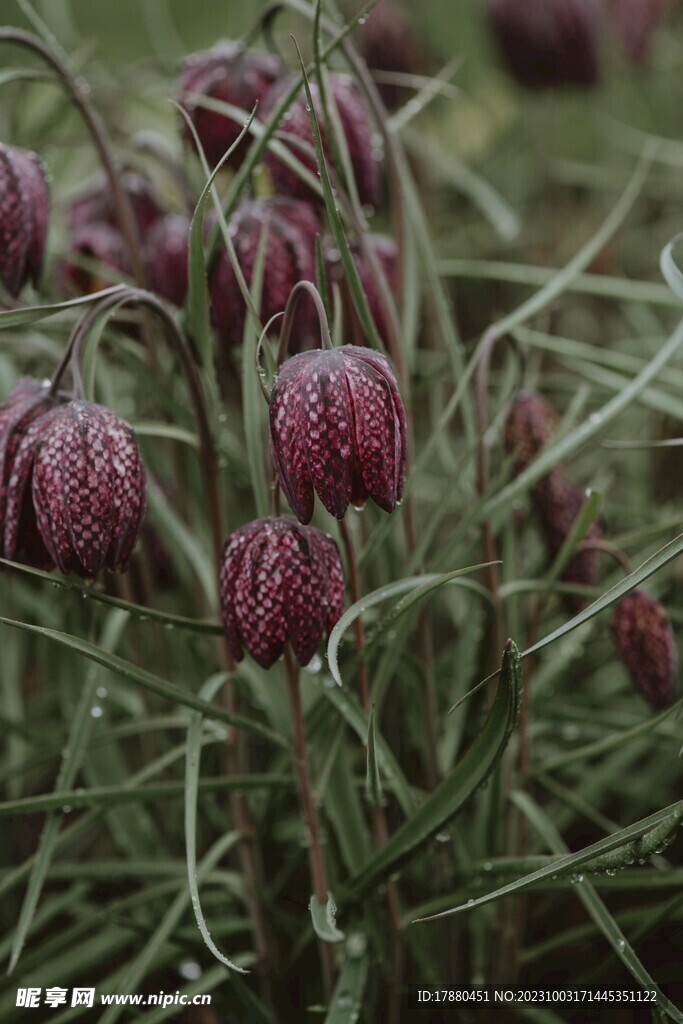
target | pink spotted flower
[
  {"x": 88, "y": 489},
  {"x": 337, "y": 429},
  {"x": 280, "y": 583},
  {"x": 24, "y": 205}
]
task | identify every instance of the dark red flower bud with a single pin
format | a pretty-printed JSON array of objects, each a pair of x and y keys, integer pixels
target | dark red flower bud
[
  {"x": 389, "y": 44},
  {"x": 92, "y": 244},
  {"x": 645, "y": 641},
  {"x": 635, "y": 22},
  {"x": 529, "y": 425},
  {"x": 530, "y": 422},
  {"x": 24, "y": 207},
  {"x": 355, "y": 124},
  {"x": 548, "y": 43},
  {"x": 280, "y": 583},
  {"x": 289, "y": 258},
  {"x": 95, "y": 205},
  {"x": 166, "y": 257},
  {"x": 231, "y": 74},
  {"x": 337, "y": 428},
  {"x": 24, "y": 417},
  {"x": 88, "y": 489},
  {"x": 387, "y": 255},
  {"x": 558, "y": 502}
]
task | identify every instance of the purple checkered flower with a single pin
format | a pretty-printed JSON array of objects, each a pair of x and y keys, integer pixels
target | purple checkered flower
[
  {"x": 280, "y": 583},
  {"x": 24, "y": 207},
  {"x": 230, "y": 74},
  {"x": 337, "y": 429},
  {"x": 88, "y": 489}
]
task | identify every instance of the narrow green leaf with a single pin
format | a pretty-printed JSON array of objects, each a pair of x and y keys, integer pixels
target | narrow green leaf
[
  {"x": 139, "y": 611},
  {"x": 597, "y": 909},
  {"x": 459, "y": 785},
  {"x": 347, "y": 999},
  {"x": 569, "y": 862},
  {"x": 418, "y": 586},
  {"x": 373, "y": 782},
  {"x": 30, "y": 315},
  {"x": 324, "y": 919},
  {"x": 155, "y": 684},
  {"x": 669, "y": 268},
  {"x": 192, "y": 769}
]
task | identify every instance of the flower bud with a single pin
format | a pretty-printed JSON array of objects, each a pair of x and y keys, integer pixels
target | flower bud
[
  {"x": 24, "y": 206},
  {"x": 93, "y": 244},
  {"x": 388, "y": 43},
  {"x": 548, "y": 43},
  {"x": 645, "y": 642},
  {"x": 291, "y": 227},
  {"x": 88, "y": 489},
  {"x": 355, "y": 124},
  {"x": 280, "y": 583},
  {"x": 530, "y": 422},
  {"x": 230, "y": 74},
  {"x": 337, "y": 428}
]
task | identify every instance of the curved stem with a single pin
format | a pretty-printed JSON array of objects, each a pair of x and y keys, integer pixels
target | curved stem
[
  {"x": 79, "y": 94},
  {"x": 290, "y": 309}
]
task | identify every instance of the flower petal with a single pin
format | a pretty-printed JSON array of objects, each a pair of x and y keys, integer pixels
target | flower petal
[
  {"x": 376, "y": 431},
  {"x": 286, "y": 442},
  {"x": 327, "y": 428}
]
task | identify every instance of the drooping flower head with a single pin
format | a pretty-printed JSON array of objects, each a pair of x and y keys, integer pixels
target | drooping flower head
[
  {"x": 645, "y": 642},
  {"x": 291, "y": 227},
  {"x": 167, "y": 257},
  {"x": 24, "y": 418},
  {"x": 88, "y": 489},
  {"x": 24, "y": 207},
  {"x": 280, "y": 583},
  {"x": 231, "y": 74},
  {"x": 386, "y": 252},
  {"x": 389, "y": 44},
  {"x": 355, "y": 124},
  {"x": 530, "y": 422},
  {"x": 548, "y": 43},
  {"x": 337, "y": 429}
]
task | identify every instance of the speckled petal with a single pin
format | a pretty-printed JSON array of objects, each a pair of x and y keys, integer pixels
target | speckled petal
[
  {"x": 384, "y": 367},
  {"x": 327, "y": 428},
  {"x": 34, "y": 185},
  {"x": 304, "y": 590},
  {"x": 259, "y": 597},
  {"x": 128, "y": 489},
  {"x": 15, "y": 224},
  {"x": 233, "y": 554},
  {"x": 18, "y": 469},
  {"x": 334, "y": 587},
  {"x": 377, "y": 436},
  {"x": 286, "y": 442},
  {"x": 88, "y": 489}
]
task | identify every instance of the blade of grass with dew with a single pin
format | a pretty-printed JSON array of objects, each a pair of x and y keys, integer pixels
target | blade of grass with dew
[
  {"x": 154, "y": 684},
  {"x": 192, "y": 772},
  {"x": 373, "y": 781},
  {"x": 467, "y": 776},
  {"x": 568, "y": 862},
  {"x": 596, "y": 908},
  {"x": 347, "y": 999},
  {"x": 324, "y": 920}
]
